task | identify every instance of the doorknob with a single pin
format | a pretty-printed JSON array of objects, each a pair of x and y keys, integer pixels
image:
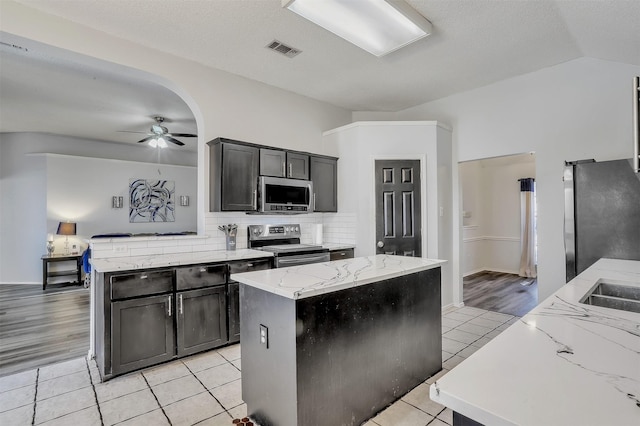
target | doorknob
[{"x": 380, "y": 244}]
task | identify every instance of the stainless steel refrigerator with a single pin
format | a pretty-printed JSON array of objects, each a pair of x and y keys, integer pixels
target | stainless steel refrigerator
[{"x": 602, "y": 213}]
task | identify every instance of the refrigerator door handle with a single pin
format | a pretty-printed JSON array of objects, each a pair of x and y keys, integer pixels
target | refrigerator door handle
[{"x": 569, "y": 222}]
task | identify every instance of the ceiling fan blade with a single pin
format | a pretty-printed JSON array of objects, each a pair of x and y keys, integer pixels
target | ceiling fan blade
[
  {"x": 172, "y": 140},
  {"x": 148, "y": 138},
  {"x": 130, "y": 131},
  {"x": 183, "y": 135}
]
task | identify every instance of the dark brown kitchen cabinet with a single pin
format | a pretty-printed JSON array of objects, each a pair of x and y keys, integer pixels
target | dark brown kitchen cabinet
[
  {"x": 273, "y": 162},
  {"x": 233, "y": 176},
  {"x": 201, "y": 320},
  {"x": 279, "y": 163},
  {"x": 297, "y": 166},
  {"x": 149, "y": 316},
  {"x": 142, "y": 332},
  {"x": 324, "y": 175}
]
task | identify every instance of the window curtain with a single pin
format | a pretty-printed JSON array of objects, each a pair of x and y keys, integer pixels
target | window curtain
[{"x": 527, "y": 229}]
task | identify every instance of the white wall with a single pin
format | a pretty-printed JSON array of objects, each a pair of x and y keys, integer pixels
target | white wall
[
  {"x": 491, "y": 195},
  {"x": 360, "y": 144},
  {"x": 79, "y": 189},
  {"x": 576, "y": 110}
]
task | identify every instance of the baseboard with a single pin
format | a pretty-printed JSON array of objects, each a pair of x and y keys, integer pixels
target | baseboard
[
  {"x": 450, "y": 307},
  {"x": 22, "y": 283},
  {"x": 485, "y": 269}
]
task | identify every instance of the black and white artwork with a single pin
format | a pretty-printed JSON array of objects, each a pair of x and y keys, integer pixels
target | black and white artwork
[{"x": 151, "y": 200}]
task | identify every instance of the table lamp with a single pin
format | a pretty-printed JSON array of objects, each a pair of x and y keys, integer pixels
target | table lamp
[{"x": 66, "y": 229}]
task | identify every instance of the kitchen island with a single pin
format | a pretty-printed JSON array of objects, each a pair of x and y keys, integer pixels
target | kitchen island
[
  {"x": 334, "y": 343},
  {"x": 564, "y": 363}
]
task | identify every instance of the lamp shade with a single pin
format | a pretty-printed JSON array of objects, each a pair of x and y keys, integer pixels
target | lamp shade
[{"x": 66, "y": 228}]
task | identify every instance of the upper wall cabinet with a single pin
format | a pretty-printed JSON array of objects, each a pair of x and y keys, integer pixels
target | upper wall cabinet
[
  {"x": 278, "y": 163},
  {"x": 233, "y": 176},
  {"x": 234, "y": 168},
  {"x": 324, "y": 175}
]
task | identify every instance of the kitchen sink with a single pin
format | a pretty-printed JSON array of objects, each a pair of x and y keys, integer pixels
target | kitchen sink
[{"x": 614, "y": 295}]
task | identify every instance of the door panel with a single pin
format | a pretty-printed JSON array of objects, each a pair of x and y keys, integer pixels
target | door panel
[
  {"x": 201, "y": 320},
  {"x": 398, "y": 224},
  {"x": 142, "y": 332}
]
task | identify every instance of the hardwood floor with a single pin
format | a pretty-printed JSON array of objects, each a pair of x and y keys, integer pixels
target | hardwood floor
[
  {"x": 500, "y": 292},
  {"x": 42, "y": 327}
]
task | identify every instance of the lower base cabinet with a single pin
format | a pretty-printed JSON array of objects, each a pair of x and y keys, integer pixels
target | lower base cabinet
[
  {"x": 155, "y": 315},
  {"x": 201, "y": 320},
  {"x": 143, "y": 332}
]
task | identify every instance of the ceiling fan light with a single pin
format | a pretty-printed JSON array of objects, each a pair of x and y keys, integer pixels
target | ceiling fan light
[
  {"x": 377, "y": 26},
  {"x": 153, "y": 143},
  {"x": 162, "y": 143}
]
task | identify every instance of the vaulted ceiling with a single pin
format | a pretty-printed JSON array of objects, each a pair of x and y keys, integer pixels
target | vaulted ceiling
[{"x": 474, "y": 43}]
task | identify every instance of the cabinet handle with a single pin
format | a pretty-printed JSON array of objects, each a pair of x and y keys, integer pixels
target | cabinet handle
[
  {"x": 203, "y": 269},
  {"x": 169, "y": 311},
  {"x": 290, "y": 169},
  {"x": 255, "y": 199},
  {"x": 284, "y": 169},
  {"x": 181, "y": 311},
  {"x": 142, "y": 277},
  {"x": 314, "y": 201},
  {"x": 249, "y": 265},
  {"x": 343, "y": 254}
]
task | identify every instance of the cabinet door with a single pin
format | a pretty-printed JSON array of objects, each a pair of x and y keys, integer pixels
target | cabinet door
[
  {"x": 324, "y": 175},
  {"x": 142, "y": 332},
  {"x": 272, "y": 162},
  {"x": 234, "y": 312},
  {"x": 201, "y": 320},
  {"x": 297, "y": 166},
  {"x": 239, "y": 177}
]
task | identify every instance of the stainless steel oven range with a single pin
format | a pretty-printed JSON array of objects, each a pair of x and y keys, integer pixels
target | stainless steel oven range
[{"x": 284, "y": 242}]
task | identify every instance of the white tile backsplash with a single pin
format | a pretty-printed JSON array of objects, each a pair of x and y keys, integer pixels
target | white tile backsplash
[{"x": 337, "y": 228}]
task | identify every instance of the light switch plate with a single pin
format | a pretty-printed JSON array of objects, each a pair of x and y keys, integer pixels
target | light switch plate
[{"x": 264, "y": 336}]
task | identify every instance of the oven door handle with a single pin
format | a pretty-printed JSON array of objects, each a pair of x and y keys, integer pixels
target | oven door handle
[{"x": 306, "y": 259}]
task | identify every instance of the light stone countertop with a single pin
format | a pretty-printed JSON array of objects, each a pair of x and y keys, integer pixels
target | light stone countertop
[
  {"x": 174, "y": 259},
  {"x": 298, "y": 282},
  {"x": 338, "y": 246},
  {"x": 564, "y": 363}
]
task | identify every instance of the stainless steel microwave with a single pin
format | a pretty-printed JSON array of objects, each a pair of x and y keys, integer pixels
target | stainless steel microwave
[{"x": 282, "y": 195}]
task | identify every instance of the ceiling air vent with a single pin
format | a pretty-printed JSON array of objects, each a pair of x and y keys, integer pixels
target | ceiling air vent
[{"x": 287, "y": 51}]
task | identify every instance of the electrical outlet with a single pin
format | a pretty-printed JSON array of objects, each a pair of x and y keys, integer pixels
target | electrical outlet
[{"x": 264, "y": 336}]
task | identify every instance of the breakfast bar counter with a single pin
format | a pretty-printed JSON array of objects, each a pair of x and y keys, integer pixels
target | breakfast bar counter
[
  {"x": 335, "y": 343},
  {"x": 564, "y": 363}
]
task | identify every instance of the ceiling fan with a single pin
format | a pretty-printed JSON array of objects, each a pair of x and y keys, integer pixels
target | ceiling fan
[{"x": 159, "y": 135}]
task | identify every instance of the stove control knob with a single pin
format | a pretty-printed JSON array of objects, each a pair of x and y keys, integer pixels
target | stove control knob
[
  {"x": 297, "y": 229},
  {"x": 286, "y": 229},
  {"x": 257, "y": 231}
]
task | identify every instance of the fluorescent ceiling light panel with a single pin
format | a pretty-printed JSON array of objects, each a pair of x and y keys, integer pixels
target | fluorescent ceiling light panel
[{"x": 377, "y": 26}]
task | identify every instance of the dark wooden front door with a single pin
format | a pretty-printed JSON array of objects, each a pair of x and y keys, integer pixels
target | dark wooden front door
[{"x": 398, "y": 223}]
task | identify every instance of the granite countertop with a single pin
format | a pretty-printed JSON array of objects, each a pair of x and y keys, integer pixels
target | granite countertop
[
  {"x": 564, "y": 363},
  {"x": 174, "y": 259},
  {"x": 338, "y": 246},
  {"x": 298, "y": 282}
]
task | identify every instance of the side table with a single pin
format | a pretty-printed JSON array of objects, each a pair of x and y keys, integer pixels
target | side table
[{"x": 77, "y": 272}]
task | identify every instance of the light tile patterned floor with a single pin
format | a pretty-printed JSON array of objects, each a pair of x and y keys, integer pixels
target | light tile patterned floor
[{"x": 205, "y": 389}]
